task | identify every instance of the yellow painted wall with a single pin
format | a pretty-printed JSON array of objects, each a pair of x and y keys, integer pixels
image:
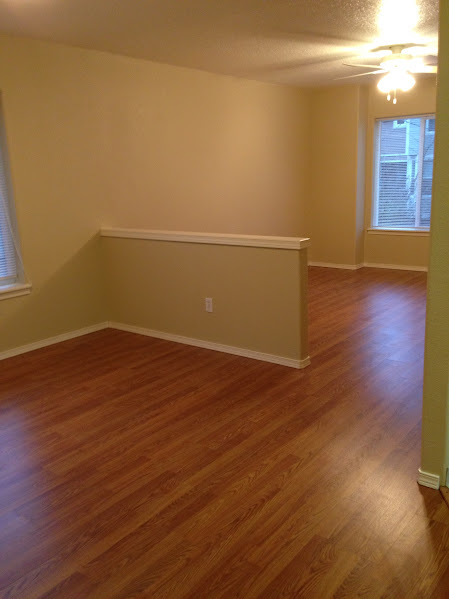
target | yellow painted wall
[
  {"x": 408, "y": 250},
  {"x": 397, "y": 249},
  {"x": 259, "y": 303},
  {"x": 362, "y": 124},
  {"x": 435, "y": 436},
  {"x": 52, "y": 100},
  {"x": 338, "y": 209},
  {"x": 97, "y": 139},
  {"x": 197, "y": 152},
  {"x": 331, "y": 209}
]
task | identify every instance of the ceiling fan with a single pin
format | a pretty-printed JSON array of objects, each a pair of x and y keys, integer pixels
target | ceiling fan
[{"x": 399, "y": 62}]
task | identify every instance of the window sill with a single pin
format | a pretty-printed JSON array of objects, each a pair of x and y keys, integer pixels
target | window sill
[
  {"x": 409, "y": 232},
  {"x": 15, "y": 290}
]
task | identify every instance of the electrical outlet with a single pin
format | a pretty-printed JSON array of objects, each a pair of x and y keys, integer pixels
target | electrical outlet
[{"x": 209, "y": 304}]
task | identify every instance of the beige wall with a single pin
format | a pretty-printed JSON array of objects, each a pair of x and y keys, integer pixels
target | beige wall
[
  {"x": 362, "y": 123},
  {"x": 97, "y": 139},
  {"x": 389, "y": 248},
  {"x": 52, "y": 107},
  {"x": 197, "y": 152},
  {"x": 338, "y": 211},
  {"x": 397, "y": 249},
  {"x": 332, "y": 209},
  {"x": 435, "y": 436},
  {"x": 259, "y": 295}
]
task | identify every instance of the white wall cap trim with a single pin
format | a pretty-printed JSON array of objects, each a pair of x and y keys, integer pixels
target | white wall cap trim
[
  {"x": 16, "y": 351},
  {"x": 228, "y": 349},
  {"x": 427, "y": 479},
  {"x": 15, "y": 290},
  {"x": 262, "y": 241},
  {"x": 407, "y": 232}
]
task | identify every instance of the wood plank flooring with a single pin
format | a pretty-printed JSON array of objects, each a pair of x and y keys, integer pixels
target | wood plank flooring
[{"x": 134, "y": 468}]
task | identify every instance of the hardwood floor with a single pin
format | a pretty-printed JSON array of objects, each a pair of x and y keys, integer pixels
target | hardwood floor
[{"x": 136, "y": 468}]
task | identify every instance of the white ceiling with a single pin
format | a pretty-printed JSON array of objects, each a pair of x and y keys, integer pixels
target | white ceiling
[{"x": 297, "y": 42}]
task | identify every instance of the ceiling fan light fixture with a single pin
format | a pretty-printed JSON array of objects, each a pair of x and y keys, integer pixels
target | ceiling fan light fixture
[
  {"x": 396, "y": 80},
  {"x": 386, "y": 84},
  {"x": 406, "y": 82}
]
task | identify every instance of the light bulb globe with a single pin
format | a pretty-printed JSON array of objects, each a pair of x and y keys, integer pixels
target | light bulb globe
[
  {"x": 385, "y": 85},
  {"x": 396, "y": 80},
  {"x": 405, "y": 82}
]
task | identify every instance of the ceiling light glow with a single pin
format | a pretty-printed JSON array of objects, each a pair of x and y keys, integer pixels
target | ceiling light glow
[{"x": 397, "y": 19}]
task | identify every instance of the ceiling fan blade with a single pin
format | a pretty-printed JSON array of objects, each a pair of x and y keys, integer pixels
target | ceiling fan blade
[
  {"x": 368, "y": 66},
  {"x": 423, "y": 50},
  {"x": 425, "y": 69},
  {"x": 388, "y": 47},
  {"x": 360, "y": 75}
]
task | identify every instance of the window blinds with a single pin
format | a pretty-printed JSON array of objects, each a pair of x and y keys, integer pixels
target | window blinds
[
  {"x": 8, "y": 261},
  {"x": 403, "y": 173}
]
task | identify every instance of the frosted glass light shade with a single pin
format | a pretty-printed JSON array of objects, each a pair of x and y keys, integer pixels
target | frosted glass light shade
[{"x": 396, "y": 80}]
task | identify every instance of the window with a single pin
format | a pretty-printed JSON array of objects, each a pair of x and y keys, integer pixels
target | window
[
  {"x": 8, "y": 270},
  {"x": 11, "y": 271},
  {"x": 430, "y": 125},
  {"x": 403, "y": 173}
]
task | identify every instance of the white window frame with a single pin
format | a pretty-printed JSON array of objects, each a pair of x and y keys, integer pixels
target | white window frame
[{"x": 376, "y": 162}]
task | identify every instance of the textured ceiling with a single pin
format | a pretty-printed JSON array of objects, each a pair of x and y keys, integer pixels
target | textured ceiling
[{"x": 298, "y": 42}]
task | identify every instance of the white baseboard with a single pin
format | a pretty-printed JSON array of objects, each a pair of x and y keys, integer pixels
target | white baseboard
[
  {"x": 369, "y": 265},
  {"x": 396, "y": 266},
  {"x": 227, "y": 349},
  {"x": 427, "y": 479},
  {"x": 52, "y": 340},
  {"x": 332, "y": 265}
]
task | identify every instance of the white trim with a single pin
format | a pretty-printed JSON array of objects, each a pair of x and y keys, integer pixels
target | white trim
[
  {"x": 15, "y": 290},
  {"x": 419, "y": 175},
  {"x": 227, "y": 349},
  {"x": 396, "y": 266},
  {"x": 332, "y": 265},
  {"x": 9, "y": 353},
  {"x": 262, "y": 241},
  {"x": 400, "y": 116},
  {"x": 369, "y": 265},
  {"x": 375, "y": 169},
  {"x": 427, "y": 479},
  {"x": 408, "y": 232}
]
